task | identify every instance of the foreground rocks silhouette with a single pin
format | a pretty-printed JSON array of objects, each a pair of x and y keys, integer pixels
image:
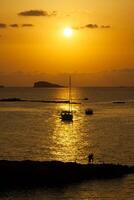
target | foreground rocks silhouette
[{"x": 35, "y": 173}]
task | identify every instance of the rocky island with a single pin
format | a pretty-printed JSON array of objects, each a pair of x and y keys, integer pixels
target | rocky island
[{"x": 45, "y": 84}]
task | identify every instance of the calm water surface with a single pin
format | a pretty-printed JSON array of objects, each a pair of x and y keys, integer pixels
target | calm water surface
[{"x": 35, "y": 131}]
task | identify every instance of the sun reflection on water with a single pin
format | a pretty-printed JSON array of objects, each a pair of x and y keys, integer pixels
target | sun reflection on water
[{"x": 65, "y": 142}]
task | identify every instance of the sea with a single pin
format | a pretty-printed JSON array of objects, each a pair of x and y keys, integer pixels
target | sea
[{"x": 34, "y": 131}]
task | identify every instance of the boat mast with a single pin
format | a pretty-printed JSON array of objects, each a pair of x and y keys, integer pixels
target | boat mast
[{"x": 70, "y": 105}]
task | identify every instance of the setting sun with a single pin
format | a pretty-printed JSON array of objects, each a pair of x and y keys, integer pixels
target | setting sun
[
  {"x": 68, "y": 32},
  {"x": 45, "y": 40}
]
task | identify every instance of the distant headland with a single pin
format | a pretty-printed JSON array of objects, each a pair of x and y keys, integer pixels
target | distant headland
[
  {"x": 44, "y": 84},
  {"x": 1, "y": 86}
]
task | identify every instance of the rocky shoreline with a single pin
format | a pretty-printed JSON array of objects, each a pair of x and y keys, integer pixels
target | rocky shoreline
[{"x": 36, "y": 173}]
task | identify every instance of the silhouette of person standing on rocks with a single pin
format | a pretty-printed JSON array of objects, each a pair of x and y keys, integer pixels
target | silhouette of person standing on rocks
[{"x": 90, "y": 158}]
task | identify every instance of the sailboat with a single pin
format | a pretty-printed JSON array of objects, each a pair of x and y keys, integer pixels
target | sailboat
[{"x": 67, "y": 115}]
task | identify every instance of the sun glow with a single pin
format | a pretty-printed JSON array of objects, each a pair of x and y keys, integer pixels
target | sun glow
[{"x": 68, "y": 32}]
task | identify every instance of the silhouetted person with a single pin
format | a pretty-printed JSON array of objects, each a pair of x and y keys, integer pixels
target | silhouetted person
[{"x": 90, "y": 158}]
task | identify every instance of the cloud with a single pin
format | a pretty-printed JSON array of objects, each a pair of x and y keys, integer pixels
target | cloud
[
  {"x": 2, "y": 25},
  {"x": 105, "y": 26},
  {"x": 14, "y": 25},
  {"x": 27, "y": 25},
  {"x": 91, "y": 26},
  {"x": 37, "y": 13}
]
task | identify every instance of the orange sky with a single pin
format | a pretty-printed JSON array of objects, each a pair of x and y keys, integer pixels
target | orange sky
[{"x": 41, "y": 47}]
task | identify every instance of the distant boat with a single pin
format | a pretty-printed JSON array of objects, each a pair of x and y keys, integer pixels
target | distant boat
[
  {"x": 89, "y": 111},
  {"x": 67, "y": 115}
]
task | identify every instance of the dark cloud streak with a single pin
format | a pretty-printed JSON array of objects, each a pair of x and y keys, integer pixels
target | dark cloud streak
[
  {"x": 2, "y": 25},
  {"x": 105, "y": 26},
  {"x": 31, "y": 13},
  {"x": 27, "y": 25},
  {"x": 91, "y": 26},
  {"x": 14, "y": 25}
]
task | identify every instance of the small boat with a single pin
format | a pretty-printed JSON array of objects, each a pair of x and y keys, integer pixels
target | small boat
[
  {"x": 85, "y": 98},
  {"x": 67, "y": 115},
  {"x": 89, "y": 111}
]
